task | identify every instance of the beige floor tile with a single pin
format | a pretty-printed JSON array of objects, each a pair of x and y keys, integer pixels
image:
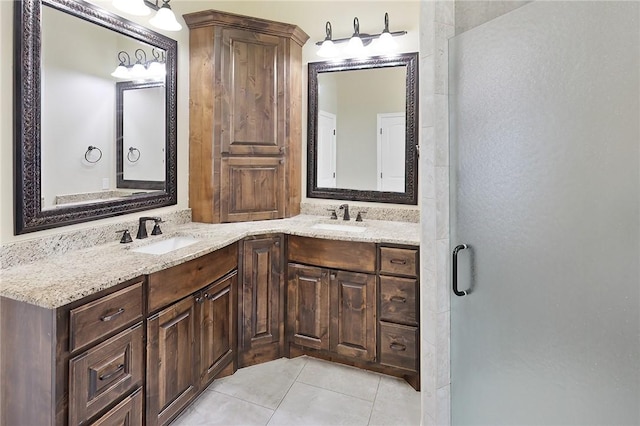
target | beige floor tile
[
  {"x": 396, "y": 404},
  {"x": 312, "y": 406},
  {"x": 340, "y": 378},
  {"x": 213, "y": 408},
  {"x": 264, "y": 384}
]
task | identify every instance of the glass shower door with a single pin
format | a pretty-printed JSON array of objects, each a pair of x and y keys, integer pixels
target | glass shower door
[{"x": 545, "y": 193}]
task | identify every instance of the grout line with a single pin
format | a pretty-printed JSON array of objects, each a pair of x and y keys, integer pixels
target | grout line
[
  {"x": 287, "y": 392},
  {"x": 340, "y": 393},
  {"x": 243, "y": 400},
  {"x": 374, "y": 400}
]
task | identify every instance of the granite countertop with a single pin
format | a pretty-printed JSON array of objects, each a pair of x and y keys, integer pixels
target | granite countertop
[{"x": 59, "y": 280}]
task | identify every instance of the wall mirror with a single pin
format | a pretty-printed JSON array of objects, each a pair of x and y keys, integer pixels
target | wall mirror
[
  {"x": 363, "y": 130},
  {"x": 75, "y": 122}
]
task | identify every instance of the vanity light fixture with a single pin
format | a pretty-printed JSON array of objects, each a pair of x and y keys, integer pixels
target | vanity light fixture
[
  {"x": 142, "y": 69},
  {"x": 164, "y": 18},
  {"x": 356, "y": 44}
]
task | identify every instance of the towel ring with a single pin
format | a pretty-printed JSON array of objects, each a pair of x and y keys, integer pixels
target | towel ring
[
  {"x": 130, "y": 153},
  {"x": 91, "y": 148}
]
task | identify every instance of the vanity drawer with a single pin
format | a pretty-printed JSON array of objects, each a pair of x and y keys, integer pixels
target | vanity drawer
[
  {"x": 398, "y": 301},
  {"x": 89, "y": 322},
  {"x": 399, "y": 346},
  {"x": 128, "y": 412},
  {"x": 101, "y": 375},
  {"x": 333, "y": 254},
  {"x": 399, "y": 261}
]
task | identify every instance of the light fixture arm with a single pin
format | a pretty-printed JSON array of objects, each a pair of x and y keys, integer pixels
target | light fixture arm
[
  {"x": 327, "y": 29},
  {"x": 124, "y": 56},
  {"x": 140, "y": 55}
]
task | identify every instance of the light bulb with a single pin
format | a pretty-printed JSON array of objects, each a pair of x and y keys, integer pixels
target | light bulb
[
  {"x": 138, "y": 71},
  {"x": 132, "y": 7},
  {"x": 327, "y": 49},
  {"x": 386, "y": 43},
  {"x": 121, "y": 72},
  {"x": 165, "y": 19},
  {"x": 355, "y": 46},
  {"x": 157, "y": 70}
]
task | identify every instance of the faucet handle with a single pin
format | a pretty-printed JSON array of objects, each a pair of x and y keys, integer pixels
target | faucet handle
[
  {"x": 156, "y": 226},
  {"x": 126, "y": 236},
  {"x": 334, "y": 215}
]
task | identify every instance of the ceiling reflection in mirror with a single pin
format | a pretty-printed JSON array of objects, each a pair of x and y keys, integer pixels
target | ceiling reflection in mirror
[
  {"x": 79, "y": 110},
  {"x": 362, "y": 129},
  {"x": 66, "y": 133}
]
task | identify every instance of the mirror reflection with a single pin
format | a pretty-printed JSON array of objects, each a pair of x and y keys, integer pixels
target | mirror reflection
[
  {"x": 361, "y": 129},
  {"x": 140, "y": 135},
  {"x": 79, "y": 109}
]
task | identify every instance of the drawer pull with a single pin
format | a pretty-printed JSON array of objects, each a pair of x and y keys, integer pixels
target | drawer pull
[
  {"x": 398, "y": 299},
  {"x": 112, "y": 316},
  {"x": 113, "y": 373},
  {"x": 398, "y": 261},
  {"x": 398, "y": 347}
]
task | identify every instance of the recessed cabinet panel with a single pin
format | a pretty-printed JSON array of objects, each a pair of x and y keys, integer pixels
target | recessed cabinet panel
[
  {"x": 308, "y": 310},
  {"x": 252, "y": 188},
  {"x": 218, "y": 345},
  {"x": 353, "y": 319},
  {"x": 172, "y": 378},
  {"x": 261, "y": 300},
  {"x": 127, "y": 413},
  {"x": 253, "y": 75}
]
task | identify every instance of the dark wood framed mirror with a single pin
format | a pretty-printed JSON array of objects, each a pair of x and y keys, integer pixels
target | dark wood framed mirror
[
  {"x": 363, "y": 129},
  {"x": 58, "y": 133}
]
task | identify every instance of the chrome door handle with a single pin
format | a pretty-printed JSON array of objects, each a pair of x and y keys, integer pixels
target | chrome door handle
[{"x": 454, "y": 277}]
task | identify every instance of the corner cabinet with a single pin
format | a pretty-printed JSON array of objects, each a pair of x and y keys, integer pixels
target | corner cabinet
[{"x": 245, "y": 117}]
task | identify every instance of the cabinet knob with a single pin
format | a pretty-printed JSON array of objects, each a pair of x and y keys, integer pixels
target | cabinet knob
[
  {"x": 277, "y": 244},
  {"x": 333, "y": 276},
  {"x": 199, "y": 299}
]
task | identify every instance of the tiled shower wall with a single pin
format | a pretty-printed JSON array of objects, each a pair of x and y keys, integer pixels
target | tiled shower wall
[{"x": 437, "y": 25}]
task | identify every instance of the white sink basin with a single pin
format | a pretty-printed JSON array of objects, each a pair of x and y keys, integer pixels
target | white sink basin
[
  {"x": 338, "y": 227},
  {"x": 166, "y": 246}
]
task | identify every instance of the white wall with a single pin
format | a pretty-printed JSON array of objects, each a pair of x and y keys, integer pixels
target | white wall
[{"x": 309, "y": 15}]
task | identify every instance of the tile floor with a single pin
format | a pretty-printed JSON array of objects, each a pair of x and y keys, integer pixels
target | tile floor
[{"x": 303, "y": 392}]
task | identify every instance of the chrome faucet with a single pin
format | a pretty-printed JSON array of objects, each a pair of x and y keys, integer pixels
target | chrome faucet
[
  {"x": 345, "y": 207},
  {"x": 142, "y": 227}
]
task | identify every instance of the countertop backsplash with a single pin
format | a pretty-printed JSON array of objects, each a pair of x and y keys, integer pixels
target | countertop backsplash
[
  {"x": 17, "y": 253},
  {"x": 395, "y": 214}
]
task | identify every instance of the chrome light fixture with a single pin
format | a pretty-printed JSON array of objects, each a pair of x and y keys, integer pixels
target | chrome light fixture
[
  {"x": 357, "y": 43},
  {"x": 164, "y": 18}
]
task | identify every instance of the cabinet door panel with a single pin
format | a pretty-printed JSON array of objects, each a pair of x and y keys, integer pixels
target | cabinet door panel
[
  {"x": 218, "y": 344},
  {"x": 353, "y": 319},
  {"x": 262, "y": 297},
  {"x": 308, "y": 310},
  {"x": 254, "y": 106},
  {"x": 172, "y": 374},
  {"x": 252, "y": 188}
]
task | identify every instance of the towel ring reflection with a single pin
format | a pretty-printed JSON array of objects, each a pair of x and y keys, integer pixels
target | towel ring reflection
[
  {"x": 91, "y": 148},
  {"x": 131, "y": 154}
]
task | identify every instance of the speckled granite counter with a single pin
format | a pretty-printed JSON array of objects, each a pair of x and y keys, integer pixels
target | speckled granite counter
[{"x": 54, "y": 282}]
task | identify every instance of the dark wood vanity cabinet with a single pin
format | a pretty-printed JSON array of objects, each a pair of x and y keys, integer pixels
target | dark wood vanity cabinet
[
  {"x": 193, "y": 339},
  {"x": 261, "y": 300},
  {"x": 80, "y": 363},
  {"x": 245, "y": 117},
  {"x": 355, "y": 303},
  {"x": 329, "y": 308}
]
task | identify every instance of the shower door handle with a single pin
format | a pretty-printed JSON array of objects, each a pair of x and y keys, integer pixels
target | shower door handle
[{"x": 454, "y": 277}]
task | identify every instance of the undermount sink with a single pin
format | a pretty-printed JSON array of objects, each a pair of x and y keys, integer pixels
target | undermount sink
[
  {"x": 166, "y": 246},
  {"x": 338, "y": 227}
]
